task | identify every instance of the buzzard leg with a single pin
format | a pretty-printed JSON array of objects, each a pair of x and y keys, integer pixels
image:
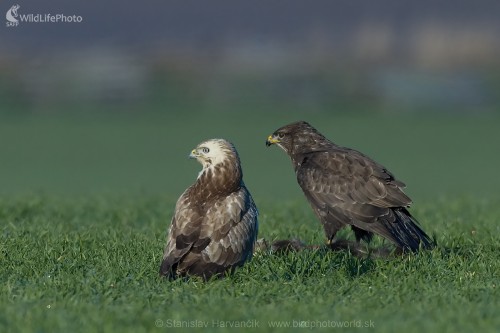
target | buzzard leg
[
  {"x": 361, "y": 234},
  {"x": 331, "y": 228}
]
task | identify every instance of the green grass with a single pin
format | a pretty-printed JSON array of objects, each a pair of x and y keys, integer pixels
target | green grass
[
  {"x": 91, "y": 264},
  {"x": 86, "y": 199}
]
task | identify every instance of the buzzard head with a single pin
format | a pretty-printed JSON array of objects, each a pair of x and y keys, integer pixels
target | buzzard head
[
  {"x": 295, "y": 137},
  {"x": 282, "y": 137},
  {"x": 214, "y": 152},
  {"x": 221, "y": 172}
]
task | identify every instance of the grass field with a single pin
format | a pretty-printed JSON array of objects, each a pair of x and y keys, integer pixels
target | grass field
[
  {"x": 86, "y": 200},
  {"x": 91, "y": 265}
]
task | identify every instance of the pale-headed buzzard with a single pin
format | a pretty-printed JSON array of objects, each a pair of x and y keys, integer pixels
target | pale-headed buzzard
[{"x": 214, "y": 227}]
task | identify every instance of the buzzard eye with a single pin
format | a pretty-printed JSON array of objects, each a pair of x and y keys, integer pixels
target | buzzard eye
[
  {"x": 205, "y": 150},
  {"x": 281, "y": 135}
]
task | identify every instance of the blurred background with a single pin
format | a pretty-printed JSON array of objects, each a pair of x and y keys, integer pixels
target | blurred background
[{"x": 114, "y": 104}]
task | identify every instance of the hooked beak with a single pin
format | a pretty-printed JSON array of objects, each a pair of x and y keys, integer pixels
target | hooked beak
[
  {"x": 194, "y": 154},
  {"x": 271, "y": 139}
]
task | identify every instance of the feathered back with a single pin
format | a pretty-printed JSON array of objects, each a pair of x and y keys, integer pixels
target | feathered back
[
  {"x": 346, "y": 187},
  {"x": 215, "y": 226}
]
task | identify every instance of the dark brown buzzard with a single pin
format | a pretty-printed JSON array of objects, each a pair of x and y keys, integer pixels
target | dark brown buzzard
[
  {"x": 346, "y": 187},
  {"x": 214, "y": 227}
]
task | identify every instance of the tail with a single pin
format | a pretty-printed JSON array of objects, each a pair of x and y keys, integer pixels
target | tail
[
  {"x": 168, "y": 267},
  {"x": 406, "y": 233}
]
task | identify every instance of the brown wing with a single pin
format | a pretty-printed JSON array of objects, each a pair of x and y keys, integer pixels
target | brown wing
[
  {"x": 346, "y": 187},
  {"x": 222, "y": 238},
  {"x": 183, "y": 233},
  {"x": 233, "y": 225}
]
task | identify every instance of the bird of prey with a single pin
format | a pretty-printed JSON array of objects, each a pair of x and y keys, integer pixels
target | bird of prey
[
  {"x": 346, "y": 187},
  {"x": 214, "y": 227}
]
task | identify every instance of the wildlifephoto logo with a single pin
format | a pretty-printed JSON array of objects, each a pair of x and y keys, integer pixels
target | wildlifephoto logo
[
  {"x": 12, "y": 15},
  {"x": 14, "y": 18}
]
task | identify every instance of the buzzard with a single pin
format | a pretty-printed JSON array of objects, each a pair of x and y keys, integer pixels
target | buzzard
[
  {"x": 214, "y": 227},
  {"x": 346, "y": 187}
]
